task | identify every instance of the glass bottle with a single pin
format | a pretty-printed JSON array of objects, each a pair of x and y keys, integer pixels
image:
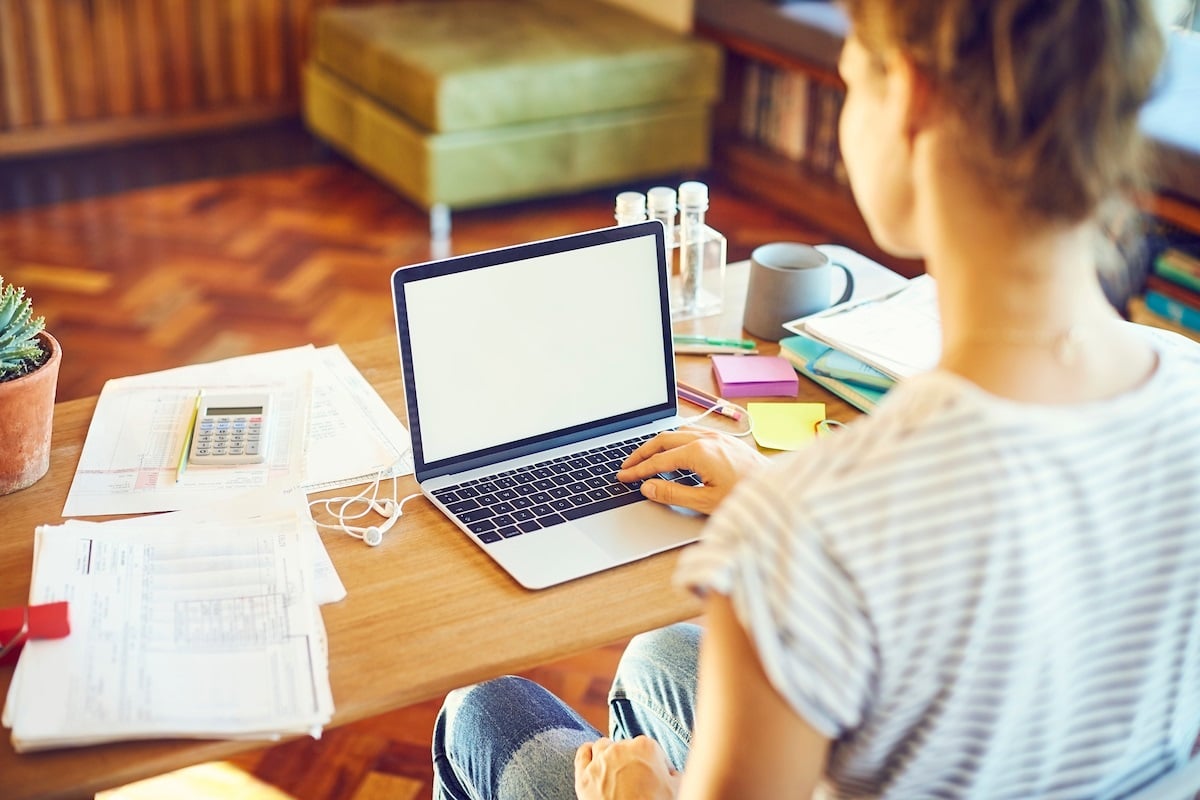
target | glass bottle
[
  {"x": 631, "y": 208},
  {"x": 693, "y": 202},
  {"x": 660, "y": 204}
]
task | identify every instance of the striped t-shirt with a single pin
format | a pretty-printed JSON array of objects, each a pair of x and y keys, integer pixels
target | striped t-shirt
[{"x": 979, "y": 598}]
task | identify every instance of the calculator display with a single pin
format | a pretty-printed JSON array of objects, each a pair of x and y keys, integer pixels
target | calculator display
[{"x": 233, "y": 411}]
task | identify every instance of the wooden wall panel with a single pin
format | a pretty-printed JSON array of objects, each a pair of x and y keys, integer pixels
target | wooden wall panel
[
  {"x": 207, "y": 14},
  {"x": 112, "y": 47},
  {"x": 82, "y": 72},
  {"x": 47, "y": 63},
  {"x": 14, "y": 55},
  {"x": 149, "y": 61},
  {"x": 78, "y": 48},
  {"x": 269, "y": 33},
  {"x": 180, "y": 59}
]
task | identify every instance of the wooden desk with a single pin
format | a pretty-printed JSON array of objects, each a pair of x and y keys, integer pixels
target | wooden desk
[{"x": 426, "y": 611}]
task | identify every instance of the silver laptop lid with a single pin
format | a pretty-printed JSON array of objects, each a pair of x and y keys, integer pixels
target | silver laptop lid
[{"x": 520, "y": 349}]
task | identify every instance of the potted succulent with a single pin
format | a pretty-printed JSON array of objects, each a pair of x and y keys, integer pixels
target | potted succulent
[{"x": 29, "y": 359}]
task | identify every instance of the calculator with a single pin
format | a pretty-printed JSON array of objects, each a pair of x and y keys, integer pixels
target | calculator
[{"x": 231, "y": 429}]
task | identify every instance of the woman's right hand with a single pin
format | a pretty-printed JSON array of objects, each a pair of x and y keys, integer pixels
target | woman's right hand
[{"x": 718, "y": 459}]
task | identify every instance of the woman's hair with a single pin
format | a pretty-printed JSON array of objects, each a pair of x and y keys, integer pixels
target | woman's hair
[{"x": 1047, "y": 91}]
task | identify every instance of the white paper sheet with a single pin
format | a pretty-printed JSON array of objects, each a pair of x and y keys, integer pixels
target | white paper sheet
[
  {"x": 259, "y": 504},
  {"x": 129, "y": 459},
  {"x": 353, "y": 435},
  {"x": 899, "y": 334},
  {"x": 336, "y": 429},
  {"x": 191, "y": 630}
]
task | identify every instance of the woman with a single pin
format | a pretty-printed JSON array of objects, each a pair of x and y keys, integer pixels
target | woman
[{"x": 989, "y": 587}]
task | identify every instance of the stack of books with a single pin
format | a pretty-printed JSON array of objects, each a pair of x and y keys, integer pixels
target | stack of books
[
  {"x": 839, "y": 348},
  {"x": 1172, "y": 296},
  {"x": 854, "y": 381}
]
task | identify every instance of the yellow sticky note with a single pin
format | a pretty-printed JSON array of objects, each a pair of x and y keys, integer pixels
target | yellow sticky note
[{"x": 785, "y": 426}]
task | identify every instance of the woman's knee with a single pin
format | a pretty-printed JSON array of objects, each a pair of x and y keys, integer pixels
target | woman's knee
[
  {"x": 654, "y": 693},
  {"x": 507, "y": 737},
  {"x": 670, "y": 653}
]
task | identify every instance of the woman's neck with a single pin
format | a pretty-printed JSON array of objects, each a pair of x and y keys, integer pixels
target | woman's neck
[{"x": 1023, "y": 313}]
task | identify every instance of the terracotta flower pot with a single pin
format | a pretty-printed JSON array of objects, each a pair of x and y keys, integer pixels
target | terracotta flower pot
[{"x": 26, "y": 416}]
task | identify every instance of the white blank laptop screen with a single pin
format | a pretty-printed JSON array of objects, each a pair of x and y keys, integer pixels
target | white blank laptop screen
[{"x": 516, "y": 350}]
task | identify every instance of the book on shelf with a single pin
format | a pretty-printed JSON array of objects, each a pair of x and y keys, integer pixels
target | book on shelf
[
  {"x": 1140, "y": 313},
  {"x": 1178, "y": 267},
  {"x": 825, "y": 144},
  {"x": 1173, "y": 290},
  {"x": 1178, "y": 311},
  {"x": 789, "y": 113}
]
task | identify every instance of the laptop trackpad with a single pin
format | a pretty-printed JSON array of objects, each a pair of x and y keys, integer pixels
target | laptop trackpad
[{"x": 641, "y": 529}]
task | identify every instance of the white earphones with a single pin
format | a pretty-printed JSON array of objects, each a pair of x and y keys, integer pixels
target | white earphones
[{"x": 343, "y": 510}]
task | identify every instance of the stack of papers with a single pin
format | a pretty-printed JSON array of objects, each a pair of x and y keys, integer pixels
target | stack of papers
[
  {"x": 202, "y": 622},
  {"x": 181, "y": 626},
  {"x": 330, "y": 429},
  {"x": 898, "y": 333},
  {"x": 889, "y": 329}
]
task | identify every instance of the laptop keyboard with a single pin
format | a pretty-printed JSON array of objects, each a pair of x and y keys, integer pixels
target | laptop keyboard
[{"x": 549, "y": 493}]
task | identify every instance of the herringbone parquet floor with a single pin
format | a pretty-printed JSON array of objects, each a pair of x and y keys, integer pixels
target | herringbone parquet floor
[{"x": 163, "y": 275}]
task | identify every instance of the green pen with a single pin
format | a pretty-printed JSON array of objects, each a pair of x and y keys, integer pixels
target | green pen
[{"x": 742, "y": 343}]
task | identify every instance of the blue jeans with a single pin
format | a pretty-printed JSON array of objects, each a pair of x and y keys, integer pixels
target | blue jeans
[{"x": 510, "y": 737}]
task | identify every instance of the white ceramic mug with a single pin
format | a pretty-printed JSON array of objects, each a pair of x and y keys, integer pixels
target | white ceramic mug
[{"x": 789, "y": 280}]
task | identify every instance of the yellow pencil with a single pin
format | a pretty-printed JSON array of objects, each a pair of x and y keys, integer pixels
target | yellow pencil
[{"x": 181, "y": 467}]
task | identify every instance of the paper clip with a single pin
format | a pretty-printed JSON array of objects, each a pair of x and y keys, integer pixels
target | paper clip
[{"x": 21, "y": 623}]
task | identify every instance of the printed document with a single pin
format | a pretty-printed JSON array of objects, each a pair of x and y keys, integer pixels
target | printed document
[
  {"x": 353, "y": 436},
  {"x": 331, "y": 429},
  {"x": 140, "y": 426},
  {"x": 181, "y": 630}
]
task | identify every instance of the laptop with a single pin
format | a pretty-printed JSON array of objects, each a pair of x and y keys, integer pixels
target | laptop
[{"x": 530, "y": 373}]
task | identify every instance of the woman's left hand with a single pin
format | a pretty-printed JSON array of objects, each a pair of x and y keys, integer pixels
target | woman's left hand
[{"x": 631, "y": 768}]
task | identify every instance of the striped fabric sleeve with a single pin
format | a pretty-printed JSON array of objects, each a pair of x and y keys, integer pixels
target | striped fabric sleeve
[{"x": 799, "y": 607}]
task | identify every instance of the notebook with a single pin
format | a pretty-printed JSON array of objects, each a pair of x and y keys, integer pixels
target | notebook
[{"x": 530, "y": 373}]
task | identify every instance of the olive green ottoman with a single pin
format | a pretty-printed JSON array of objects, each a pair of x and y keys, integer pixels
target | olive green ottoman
[{"x": 475, "y": 102}]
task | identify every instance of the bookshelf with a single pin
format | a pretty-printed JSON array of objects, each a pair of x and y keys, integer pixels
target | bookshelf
[
  {"x": 757, "y": 152},
  {"x": 775, "y": 138},
  {"x": 1170, "y": 297}
]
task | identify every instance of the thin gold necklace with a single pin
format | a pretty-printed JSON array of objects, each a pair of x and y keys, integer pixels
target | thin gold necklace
[{"x": 1064, "y": 345}]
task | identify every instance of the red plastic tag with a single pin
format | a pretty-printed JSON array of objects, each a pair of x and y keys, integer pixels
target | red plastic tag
[{"x": 19, "y": 624}]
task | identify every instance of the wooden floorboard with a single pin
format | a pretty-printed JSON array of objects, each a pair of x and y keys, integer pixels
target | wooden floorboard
[{"x": 200, "y": 268}]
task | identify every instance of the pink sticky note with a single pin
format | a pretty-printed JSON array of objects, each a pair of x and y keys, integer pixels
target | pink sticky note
[{"x": 755, "y": 376}]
